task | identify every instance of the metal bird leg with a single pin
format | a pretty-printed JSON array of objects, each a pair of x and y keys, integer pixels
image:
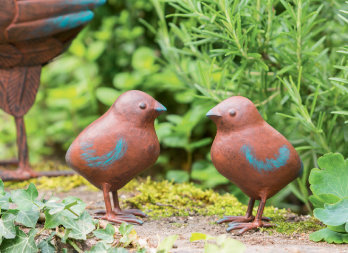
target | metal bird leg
[
  {"x": 247, "y": 218},
  {"x": 18, "y": 88},
  {"x": 118, "y": 216},
  {"x": 257, "y": 223}
]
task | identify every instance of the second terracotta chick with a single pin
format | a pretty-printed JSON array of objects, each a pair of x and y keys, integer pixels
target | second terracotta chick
[{"x": 253, "y": 155}]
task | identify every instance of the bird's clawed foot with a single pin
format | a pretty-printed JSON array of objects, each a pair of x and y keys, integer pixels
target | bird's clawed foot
[
  {"x": 235, "y": 219},
  {"x": 240, "y": 219},
  {"x": 18, "y": 175},
  {"x": 243, "y": 227},
  {"x": 135, "y": 212},
  {"x": 127, "y": 212},
  {"x": 117, "y": 218}
]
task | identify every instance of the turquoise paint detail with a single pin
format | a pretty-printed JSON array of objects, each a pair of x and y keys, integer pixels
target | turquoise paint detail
[
  {"x": 270, "y": 164},
  {"x": 105, "y": 160},
  {"x": 162, "y": 108},
  {"x": 74, "y": 20}
]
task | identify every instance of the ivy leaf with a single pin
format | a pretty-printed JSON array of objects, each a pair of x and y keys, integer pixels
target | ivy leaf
[
  {"x": 125, "y": 229},
  {"x": 331, "y": 179},
  {"x": 167, "y": 244},
  {"x": 21, "y": 243},
  {"x": 107, "y": 234},
  {"x": 7, "y": 227},
  {"x": 52, "y": 221},
  {"x": 2, "y": 188},
  {"x": 5, "y": 200},
  {"x": 74, "y": 204},
  {"x": 28, "y": 218},
  {"x": 329, "y": 236},
  {"x": 80, "y": 227},
  {"x": 100, "y": 247},
  {"x": 333, "y": 215},
  {"x": 46, "y": 246},
  {"x": 25, "y": 199}
]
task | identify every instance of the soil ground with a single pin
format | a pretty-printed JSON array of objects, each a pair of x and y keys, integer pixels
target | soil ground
[{"x": 154, "y": 231}]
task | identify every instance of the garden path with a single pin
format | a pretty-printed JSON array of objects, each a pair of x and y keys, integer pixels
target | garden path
[{"x": 154, "y": 231}]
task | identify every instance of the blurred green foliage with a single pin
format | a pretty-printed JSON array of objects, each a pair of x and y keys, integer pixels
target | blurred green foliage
[{"x": 286, "y": 56}]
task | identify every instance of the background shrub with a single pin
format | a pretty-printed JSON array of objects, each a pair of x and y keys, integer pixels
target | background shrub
[{"x": 286, "y": 56}]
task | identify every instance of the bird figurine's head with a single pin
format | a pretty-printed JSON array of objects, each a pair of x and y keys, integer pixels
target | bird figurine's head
[
  {"x": 137, "y": 107},
  {"x": 235, "y": 113}
]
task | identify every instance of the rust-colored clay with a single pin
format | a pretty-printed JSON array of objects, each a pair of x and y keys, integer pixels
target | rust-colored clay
[
  {"x": 116, "y": 147},
  {"x": 253, "y": 155},
  {"x": 33, "y": 32}
]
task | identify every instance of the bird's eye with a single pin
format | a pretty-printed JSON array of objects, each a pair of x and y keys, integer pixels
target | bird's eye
[
  {"x": 232, "y": 112},
  {"x": 142, "y": 105}
]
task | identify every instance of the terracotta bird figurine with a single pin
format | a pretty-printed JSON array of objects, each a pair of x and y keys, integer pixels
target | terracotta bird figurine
[
  {"x": 253, "y": 155},
  {"x": 33, "y": 32},
  {"x": 116, "y": 147}
]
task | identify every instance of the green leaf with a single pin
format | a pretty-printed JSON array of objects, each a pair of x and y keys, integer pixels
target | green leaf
[
  {"x": 225, "y": 244},
  {"x": 21, "y": 243},
  {"x": 100, "y": 247},
  {"x": 7, "y": 227},
  {"x": 197, "y": 237},
  {"x": 334, "y": 214},
  {"x": 125, "y": 229},
  {"x": 167, "y": 244},
  {"x": 143, "y": 59},
  {"x": 2, "y": 189},
  {"x": 177, "y": 176},
  {"x": 46, "y": 246},
  {"x": 332, "y": 178},
  {"x": 80, "y": 227},
  {"x": 28, "y": 218},
  {"x": 198, "y": 144},
  {"x": 328, "y": 236},
  {"x": 340, "y": 229},
  {"x": 52, "y": 221},
  {"x": 25, "y": 199},
  {"x": 107, "y": 95},
  {"x": 5, "y": 200},
  {"x": 106, "y": 234}
]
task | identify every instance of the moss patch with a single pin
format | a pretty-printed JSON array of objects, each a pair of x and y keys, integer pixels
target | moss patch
[{"x": 165, "y": 199}]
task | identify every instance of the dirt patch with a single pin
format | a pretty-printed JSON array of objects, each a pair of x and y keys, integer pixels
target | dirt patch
[{"x": 154, "y": 231}]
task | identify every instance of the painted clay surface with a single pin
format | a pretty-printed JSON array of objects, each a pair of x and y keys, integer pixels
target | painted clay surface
[
  {"x": 33, "y": 32},
  {"x": 251, "y": 154},
  {"x": 118, "y": 146}
]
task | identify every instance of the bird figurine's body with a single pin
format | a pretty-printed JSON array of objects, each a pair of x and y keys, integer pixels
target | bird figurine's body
[
  {"x": 116, "y": 147},
  {"x": 253, "y": 155},
  {"x": 33, "y": 32}
]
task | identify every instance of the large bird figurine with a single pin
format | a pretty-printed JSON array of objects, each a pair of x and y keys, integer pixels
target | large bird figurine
[
  {"x": 253, "y": 155},
  {"x": 116, "y": 147},
  {"x": 33, "y": 32}
]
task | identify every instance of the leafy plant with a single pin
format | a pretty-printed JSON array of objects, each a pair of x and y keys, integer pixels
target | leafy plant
[
  {"x": 330, "y": 198},
  {"x": 280, "y": 54},
  {"x": 218, "y": 244},
  {"x": 65, "y": 220}
]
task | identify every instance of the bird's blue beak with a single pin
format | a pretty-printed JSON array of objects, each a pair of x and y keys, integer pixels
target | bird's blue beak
[
  {"x": 160, "y": 108},
  {"x": 212, "y": 114}
]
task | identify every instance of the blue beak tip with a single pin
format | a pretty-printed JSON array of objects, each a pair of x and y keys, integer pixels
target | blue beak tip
[
  {"x": 161, "y": 109},
  {"x": 209, "y": 113}
]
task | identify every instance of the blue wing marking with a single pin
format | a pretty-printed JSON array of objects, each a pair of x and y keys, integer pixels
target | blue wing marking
[
  {"x": 105, "y": 160},
  {"x": 270, "y": 164}
]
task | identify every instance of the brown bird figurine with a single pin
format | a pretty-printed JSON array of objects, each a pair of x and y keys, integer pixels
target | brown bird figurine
[
  {"x": 33, "y": 32},
  {"x": 253, "y": 155},
  {"x": 116, "y": 147}
]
